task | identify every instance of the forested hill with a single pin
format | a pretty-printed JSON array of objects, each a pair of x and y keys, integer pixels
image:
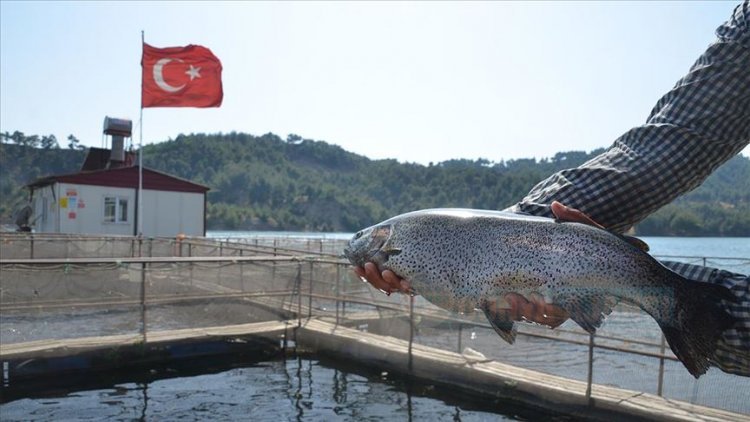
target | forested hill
[{"x": 265, "y": 182}]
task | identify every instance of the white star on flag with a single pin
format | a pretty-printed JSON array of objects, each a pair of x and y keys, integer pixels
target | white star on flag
[{"x": 193, "y": 72}]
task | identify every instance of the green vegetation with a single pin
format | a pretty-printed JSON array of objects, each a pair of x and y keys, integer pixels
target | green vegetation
[{"x": 268, "y": 183}]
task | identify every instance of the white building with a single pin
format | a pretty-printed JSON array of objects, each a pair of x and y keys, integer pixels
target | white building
[{"x": 105, "y": 201}]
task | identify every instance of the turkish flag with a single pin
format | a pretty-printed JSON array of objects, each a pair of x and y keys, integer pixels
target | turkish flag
[{"x": 180, "y": 77}]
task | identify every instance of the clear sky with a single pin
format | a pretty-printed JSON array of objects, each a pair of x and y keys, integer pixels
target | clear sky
[{"x": 418, "y": 82}]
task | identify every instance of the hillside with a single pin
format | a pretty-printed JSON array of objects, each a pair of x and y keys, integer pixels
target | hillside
[{"x": 268, "y": 183}]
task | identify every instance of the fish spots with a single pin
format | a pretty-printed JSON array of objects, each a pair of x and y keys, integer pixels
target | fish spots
[{"x": 457, "y": 259}]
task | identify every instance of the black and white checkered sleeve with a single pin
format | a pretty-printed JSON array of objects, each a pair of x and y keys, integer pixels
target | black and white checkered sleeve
[
  {"x": 733, "y": 349},
  {"x": 694, "y": 128}
]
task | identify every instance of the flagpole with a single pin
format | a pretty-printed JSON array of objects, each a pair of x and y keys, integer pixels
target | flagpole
[{"x": 140, "y": 152}]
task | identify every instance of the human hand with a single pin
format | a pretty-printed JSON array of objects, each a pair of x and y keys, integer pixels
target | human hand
[
  {"x": 387, "y": 281},
  {"x": 565, "y": 213},
  {"x": 535, "y": 308}
]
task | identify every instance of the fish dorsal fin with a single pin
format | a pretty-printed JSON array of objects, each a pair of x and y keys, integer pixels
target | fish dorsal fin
[
  {"x": 638, "y": 243},
  {"x": 503, "y": 326}
]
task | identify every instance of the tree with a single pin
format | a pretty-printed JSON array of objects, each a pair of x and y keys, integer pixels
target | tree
[
  {"x": 31, "y": 141},
  {"x": 74, "y": 143},
  {"x": 266, "y": 182},
  {"x": 49, "y": 142},
  {"x": 18, "y": 137}
]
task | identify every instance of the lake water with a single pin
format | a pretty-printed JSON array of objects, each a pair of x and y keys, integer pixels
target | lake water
[
  {"x": 299, "y": 389},
  {"x": 709, "y": 251}
]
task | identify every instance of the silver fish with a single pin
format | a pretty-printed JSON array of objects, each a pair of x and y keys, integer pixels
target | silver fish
[{"x": 464, "y": 260}]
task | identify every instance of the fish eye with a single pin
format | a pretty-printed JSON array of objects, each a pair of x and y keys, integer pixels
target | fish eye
[{"x": 358, "y": 235}]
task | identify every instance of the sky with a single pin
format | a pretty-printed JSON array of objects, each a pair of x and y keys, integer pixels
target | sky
[{"x": 418, "y": 82}]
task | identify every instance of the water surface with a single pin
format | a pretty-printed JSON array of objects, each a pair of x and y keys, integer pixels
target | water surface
[{"x": 300, "y": 389}]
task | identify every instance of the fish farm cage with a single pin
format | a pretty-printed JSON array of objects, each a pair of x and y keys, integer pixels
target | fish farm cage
[{"x": 72, "y": 306}]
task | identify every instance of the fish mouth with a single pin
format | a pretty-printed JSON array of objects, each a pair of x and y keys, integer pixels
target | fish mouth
[
  {"x": 358, "y": 256},
  {"x": 366, "y": 245},
  {"x": 349, "y": 254}
]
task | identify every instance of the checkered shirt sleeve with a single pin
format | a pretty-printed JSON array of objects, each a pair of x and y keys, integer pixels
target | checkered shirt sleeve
[
  {"x": 693, "y": 129},
  {"x": 733, "y": 349}
]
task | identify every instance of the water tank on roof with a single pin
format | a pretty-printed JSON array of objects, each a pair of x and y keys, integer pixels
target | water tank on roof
[{"x": 118, "y": 127}]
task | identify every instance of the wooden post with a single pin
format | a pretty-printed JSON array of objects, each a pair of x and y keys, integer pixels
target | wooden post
[
  {"x": 661, "y": 367},
  {"x": 273, "y": 264},
  {"x": 298, "y": 288},
  {"x": 242, "y": 274},
  {"x": 460, "y": 332},
  {"x": 143, "y": 303},
  {"x": 309, "y": 297},
  {"x": 338, "y": 296},
  {"x": 190, "y": 264},
  {"x": 411, "y": 333},
  {"x": 591, "y": 367}
]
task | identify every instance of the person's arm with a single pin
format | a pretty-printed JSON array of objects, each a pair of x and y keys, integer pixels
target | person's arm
[{"x": 698, "y": 125}]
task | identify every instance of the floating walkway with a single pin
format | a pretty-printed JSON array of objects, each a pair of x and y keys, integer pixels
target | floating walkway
[{"x": 470, "y": 372}]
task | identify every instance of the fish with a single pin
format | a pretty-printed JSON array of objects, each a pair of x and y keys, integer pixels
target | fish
[{"x": 466, "y": 260}]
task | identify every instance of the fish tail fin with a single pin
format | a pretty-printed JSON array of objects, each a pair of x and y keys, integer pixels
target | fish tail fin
[{"x": 699, "y": 319}]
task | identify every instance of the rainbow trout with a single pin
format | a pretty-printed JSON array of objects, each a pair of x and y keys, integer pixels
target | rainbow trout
[{"x": 464, "y": 260}]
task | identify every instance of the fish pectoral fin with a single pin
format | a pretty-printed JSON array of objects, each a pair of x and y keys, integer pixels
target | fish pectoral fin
[
  {"x": 390, "y": 251},
  {"x": 500, "y": 321},
  {"x": 588, "y": 310}
]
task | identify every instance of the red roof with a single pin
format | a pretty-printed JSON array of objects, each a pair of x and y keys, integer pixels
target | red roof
[{"x": 124, "y": 177}]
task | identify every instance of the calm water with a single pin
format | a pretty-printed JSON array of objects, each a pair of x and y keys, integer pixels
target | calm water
[
  {"x": 736, "y": 247},
  {"x": 695, "y": 249},
  {"x": 299, "y": 389}
]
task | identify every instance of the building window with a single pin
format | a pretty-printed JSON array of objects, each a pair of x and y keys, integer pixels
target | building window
[{"x": 115, "y": 209}]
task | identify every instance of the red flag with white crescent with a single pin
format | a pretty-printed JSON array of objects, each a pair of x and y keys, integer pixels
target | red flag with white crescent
[{"x": 187, "y": 76}]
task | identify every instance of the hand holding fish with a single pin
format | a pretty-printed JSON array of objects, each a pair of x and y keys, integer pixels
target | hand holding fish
[{"x": 521, "y": 308}]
